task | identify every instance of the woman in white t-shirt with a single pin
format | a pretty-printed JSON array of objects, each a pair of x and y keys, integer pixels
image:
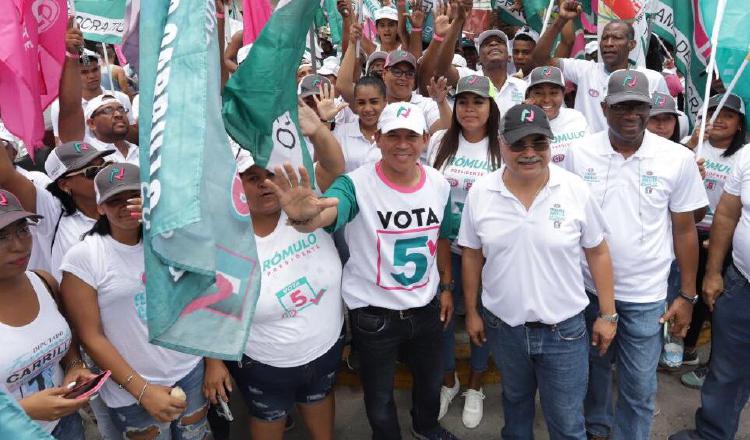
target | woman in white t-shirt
[
  {"x": 39, "y": 357},
  {"x": 468, "y": 150},
  {"x": 547, "y": 90},
  {"x": 103, "y": 289}
]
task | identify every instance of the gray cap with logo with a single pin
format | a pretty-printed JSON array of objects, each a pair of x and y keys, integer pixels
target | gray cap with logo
[
  {"x": 661, "y": 103},
  {"x": 546, "y": 75},
  {"x": 523, "y": 120},
  {"x": 11, "y": 210},
  {"x": 627, "y": 85},
  {"x": 312, "y": 85},
  {"x": 476, "y": 84},
  {"x": 71, "y": 156},
  {"x": 114, "y": 179}
]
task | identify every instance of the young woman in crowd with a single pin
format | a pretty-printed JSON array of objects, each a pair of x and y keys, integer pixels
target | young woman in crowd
[
  {"x": 40, "y": 357},
  {"x": 469, "y": 149},
  {"x": 103, "y": 289},
  {"x": 663, "y": 119},
  {"x": 296, "y": 338}
]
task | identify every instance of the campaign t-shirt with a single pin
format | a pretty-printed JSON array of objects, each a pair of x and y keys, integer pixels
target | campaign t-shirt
[
  {"x": 31, "y": 354},
  {"x": 299, "y": 313},
  {"x": 718, "y": 169},
  {"x": 116, "y": 271},
  {"x": 392, "y": 232},
  {"x": 40, "y": 254},
  {"x": 592, "y": 79},
  {"x": 568, "y": 126},
  {"x": 738, "y": 184},
  {"x": 470, "y": 162}
]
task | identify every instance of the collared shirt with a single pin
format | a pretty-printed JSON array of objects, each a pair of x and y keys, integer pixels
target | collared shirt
[
  {"x": 131, "y": 157},
  {"x": 511, "y": 93},
  {"x": 638, "y": 195},
  {"x": 428, "y": 106},
  {"x": 738, "y": 184},
  {"x": 532, "y": 270},
  {"x": 55, "y": 110},
  {"x": 592, "y": 79},
  {"x": 356, "y": 148}
]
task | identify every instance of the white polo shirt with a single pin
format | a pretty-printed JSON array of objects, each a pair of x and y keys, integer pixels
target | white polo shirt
[
  {"x": 592, "y": 79},
  {"x": 637, "y": 195},
  {"x": 511, "y": 93},
  {"x": 738, "y": 184},
  {"x": 132, "y": 156},
  {"x": 354, "y": 145},
  {"x": 533, "y": 270},
  {"x": 569, "y": 126},
  {"x": 428, "y": 106}
]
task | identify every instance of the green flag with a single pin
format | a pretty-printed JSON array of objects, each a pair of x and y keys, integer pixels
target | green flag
[
  {"x": 734, "y": 44},
  {"x": 202, "y": 276},
  {"x": 679, "y": 23},
  {"x": 101, "y": 20},
  {"x": 260, "y": 99}
]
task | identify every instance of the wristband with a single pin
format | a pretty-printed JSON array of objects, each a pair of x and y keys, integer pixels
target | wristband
[
  {"x": 219, "y": 14},
  {"x": 416, "y": 29},
  {"x": 438, "y": 38},
  {"x": 292, "y": 222},
  {"x": 143, "y": 390},
  {"x": 72, "y": 55}
]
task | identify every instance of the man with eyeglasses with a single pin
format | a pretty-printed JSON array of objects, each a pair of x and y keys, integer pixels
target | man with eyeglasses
[
  {"x": 648, "y": 188},
  {"x": 107, "y": 121},
  {"x": 524, "y": 231}
]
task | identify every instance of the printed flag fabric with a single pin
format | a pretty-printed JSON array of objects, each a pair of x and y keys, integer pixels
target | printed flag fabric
[
  {"x": 733, "y": 45},
  {"x": 679, "y": 22},
  {"x": 255, "y": 15},
  {"x": 32, "y": 53},
  {"x": 202, "y": 275},
  {"x": 634, "y": 12},
  {"x": 101, "y": 20},
  {"x": 260, "y": 99}
]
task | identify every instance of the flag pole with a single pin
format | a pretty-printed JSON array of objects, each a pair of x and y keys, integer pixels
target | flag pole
[
  {"x": 313, "y": 55},
  {"x": 547, "y": 15},
  {"x": 731, "y": 86},
  {"x": 720, "y": 7},
  {"x": 360, "y": 21},
  {"x": 109, "y": 68}
]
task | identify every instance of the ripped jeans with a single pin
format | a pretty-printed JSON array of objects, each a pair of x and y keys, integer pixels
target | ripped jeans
[{"x": 136, "y": 423}]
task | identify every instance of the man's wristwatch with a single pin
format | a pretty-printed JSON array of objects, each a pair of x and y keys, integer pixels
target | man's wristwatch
[
  {"x": 691, "y": 299},
  {"x": 443, "y": 287},
  {"x": 613, "y": 318}
]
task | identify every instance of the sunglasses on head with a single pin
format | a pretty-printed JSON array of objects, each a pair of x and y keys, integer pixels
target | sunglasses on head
[{"x": 89, "y": 172}]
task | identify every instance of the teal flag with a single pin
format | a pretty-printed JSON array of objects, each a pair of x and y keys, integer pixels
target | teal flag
[
  {"x": 101, "y": 20},
  {"x": 335, "y": 23},
  {"x": 202, "y": 275},
  {"x": 734, "y": 44},
  {"x": 260, "y": 99},
  {"x": 679, "y": 23}
]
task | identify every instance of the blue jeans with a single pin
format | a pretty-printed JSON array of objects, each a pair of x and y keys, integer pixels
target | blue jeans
[
  {"x": 135, "y": 419},
  {"x": 479, "y": 354},
  {"x": 380, "y": 338},
  {"x": 69, "y": 427},
  {"x": 635, "y": 350},
  {"x": 673, "y": 281},
  {"x": 553, "y": 359},
  {"x": 727, "y": 386}
]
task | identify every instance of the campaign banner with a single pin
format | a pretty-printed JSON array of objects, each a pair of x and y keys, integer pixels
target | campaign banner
[{"x": 101, "y": 20}]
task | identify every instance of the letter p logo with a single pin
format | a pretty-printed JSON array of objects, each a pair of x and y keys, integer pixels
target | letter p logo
[{"x": 527, "y": 115}]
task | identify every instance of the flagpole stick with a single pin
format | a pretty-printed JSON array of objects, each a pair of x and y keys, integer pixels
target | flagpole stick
[
  {"x": 663, "y": 46},
  {"x": 731, "y": 86},
  {"x": 547, "y": 15},
  {"x": 720, "y": 7},
  {"x": 360, "y": 20},
  {"x": 313, "y": 55},
  {"x": 109, "y": 69}
]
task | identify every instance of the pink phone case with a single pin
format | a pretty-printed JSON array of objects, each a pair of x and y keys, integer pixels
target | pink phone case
[{"x": 97, "y": 387}]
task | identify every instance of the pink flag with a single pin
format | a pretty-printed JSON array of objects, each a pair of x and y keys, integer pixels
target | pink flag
[
  {"x": 32, "y": 53},
  {"x": 256, "y": 14}
]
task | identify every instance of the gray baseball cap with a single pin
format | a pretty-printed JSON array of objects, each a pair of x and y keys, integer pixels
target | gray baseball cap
[
  {"x": 490, "y": 33},
  {"x": 12, "y": 211},
  {"x": 71, "y": 156},
  {"x": 312, "y": 85},
  {"x": 114, "y": 179},
  {"x": 476, "y": 84},
  {"x": 627, "y": 85},
  {"x": 545, "y": 75},
  {"x": 400, "y": 56},
  {"x": 662, "y": 103},
  {"x": 525, "y": 119},
  {"x": 733, "y": 102}
]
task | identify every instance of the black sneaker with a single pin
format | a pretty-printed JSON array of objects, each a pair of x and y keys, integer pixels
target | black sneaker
[{"x": 438, "y": 433}]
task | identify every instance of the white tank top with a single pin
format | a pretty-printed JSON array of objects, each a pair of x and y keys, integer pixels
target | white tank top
[{"x": 31, "y": 354}]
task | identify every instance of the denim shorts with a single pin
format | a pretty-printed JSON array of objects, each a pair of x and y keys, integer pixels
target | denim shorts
[{"x": 270, "y": 392}]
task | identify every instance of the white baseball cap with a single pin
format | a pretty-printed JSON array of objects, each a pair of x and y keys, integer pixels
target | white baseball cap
[
  {"x": 97, "y": 102},
  {"x": 330, "y": 67},
  {"x": 459, "y": 61},
  {"x": 402, "y": 115},
  {"x": 386, "y": 12},
  {"x": 244, "y": 161},
  {"x": 490, "y": 33},
  {"x": 591, "y": 47}
]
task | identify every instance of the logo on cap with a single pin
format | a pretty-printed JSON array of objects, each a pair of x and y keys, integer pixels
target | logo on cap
[
  {"x": 3, "y": 200},
  {"x": 527, "y": 115},
  {"x": 660, "y": 101},
  {"x": 116, "y": 173},
  {"x": 547, "y": 72},
  {"x": 473, "y": 79},
  {"x": 80, "y": 147},
  {"x": 316, "y": 84},
  {"x": 403, "y": 111},
  {"x": 630, "y": 81}
]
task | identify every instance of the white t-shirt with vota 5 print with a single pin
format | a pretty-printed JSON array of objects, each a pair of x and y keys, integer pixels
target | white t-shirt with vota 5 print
[
  {"x": 299, "y": 313},
  {"x": 533, "y": 267},
  {"x": 116, "y": 271},
  {"x": 738, "y": 184},
  {"x": 718, "y": 169},
  {"x": 568, "y": 126},
  {"x": 31, "y": 354},
  {"x": 638, "y": 195},
  {"x": 392, "y": 233},
  {"x": 470, "y": 162},
  {"x": 592, "y": 79}
]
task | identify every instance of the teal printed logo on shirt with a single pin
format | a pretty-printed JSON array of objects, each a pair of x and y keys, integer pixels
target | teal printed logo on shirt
[
  {"x": 139, "y": 300},
  {"x": 298, "y": 296},
  {"x": 296, "y": 250},
  {"x": 649, "y": 181},
  {"x": 556, "y": 215},
  {"x": 590, "y": 176}
]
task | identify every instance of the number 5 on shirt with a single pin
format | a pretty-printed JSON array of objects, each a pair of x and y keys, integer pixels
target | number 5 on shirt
[{"x": 405, "y": 257}]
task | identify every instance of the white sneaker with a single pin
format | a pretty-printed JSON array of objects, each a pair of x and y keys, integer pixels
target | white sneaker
[
  {"x": 447, "y": 395},
  {"x": 473, "y": 408}
]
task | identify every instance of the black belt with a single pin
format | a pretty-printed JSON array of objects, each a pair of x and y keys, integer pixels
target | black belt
[
  {"x": 537, "y": 324},
  {"x": 401, "y": 314}
]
